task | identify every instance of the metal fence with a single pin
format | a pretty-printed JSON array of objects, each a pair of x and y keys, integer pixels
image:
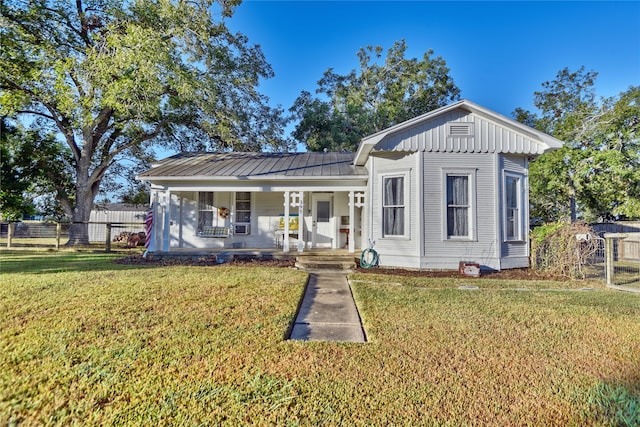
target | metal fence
[
  {"x": 594, "y": 266},
  {"x": 622, "y": 259}
]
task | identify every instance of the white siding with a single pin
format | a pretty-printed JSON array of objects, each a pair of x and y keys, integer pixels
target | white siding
[
  {"x": 395, "y": 251},
  {"x": 515, "y": 254},
  {"x": 441, "y": 253},
  {"x": 487, "y": 137},
  {"x": 184, "y": 214},
  {"x": 266, "y": 209}
]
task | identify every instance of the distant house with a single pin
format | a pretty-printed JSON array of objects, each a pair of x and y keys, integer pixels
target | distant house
[{"x": 448, "y": 186}]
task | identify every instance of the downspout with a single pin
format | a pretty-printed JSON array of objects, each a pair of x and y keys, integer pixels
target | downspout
[
  {"x": 526, "y": 220},
  {"x": 370, "y": 201},
  {"x": 420, "y": 203}
]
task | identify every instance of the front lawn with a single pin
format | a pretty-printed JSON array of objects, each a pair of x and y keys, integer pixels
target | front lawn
[{"x": 86, "y": 341}]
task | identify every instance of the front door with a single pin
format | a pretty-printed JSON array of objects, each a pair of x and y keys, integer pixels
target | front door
[{"x": 323, "y": 233}]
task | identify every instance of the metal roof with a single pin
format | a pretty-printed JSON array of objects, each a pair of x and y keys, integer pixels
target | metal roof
[{"x": 206, "y": 165}]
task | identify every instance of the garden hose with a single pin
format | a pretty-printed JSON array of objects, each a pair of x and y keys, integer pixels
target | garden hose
[{"x": 369, "y": 258}]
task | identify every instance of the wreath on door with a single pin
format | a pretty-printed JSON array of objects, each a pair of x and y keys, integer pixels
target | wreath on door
[{"x": 223, "y": 213}]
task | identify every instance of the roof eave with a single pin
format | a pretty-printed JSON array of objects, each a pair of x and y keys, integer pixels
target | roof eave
[{"x": 250, "y": 178}]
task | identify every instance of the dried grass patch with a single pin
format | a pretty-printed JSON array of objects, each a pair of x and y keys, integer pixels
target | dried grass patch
[{"x": 86, "y": 341}]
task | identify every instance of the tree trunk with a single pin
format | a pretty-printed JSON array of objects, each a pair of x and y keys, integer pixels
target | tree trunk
[{"x": 79, "y": 229}]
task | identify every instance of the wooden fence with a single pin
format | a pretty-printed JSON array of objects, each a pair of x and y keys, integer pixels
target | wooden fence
[{"x": 33, "y": 232}]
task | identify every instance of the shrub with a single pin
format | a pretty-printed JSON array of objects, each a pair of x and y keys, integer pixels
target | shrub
[{"x": 556, "y": 249}]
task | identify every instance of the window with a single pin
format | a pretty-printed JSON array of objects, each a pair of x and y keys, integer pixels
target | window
[
  {"x": 323, "y": 211},
  {"x": 393, "y": 206},
  {"x": 458, "y": 206},
  {"x": 206, "y": 211},
  {"x": 512, "y": 206},
  {"x": 243, "y": 212}
]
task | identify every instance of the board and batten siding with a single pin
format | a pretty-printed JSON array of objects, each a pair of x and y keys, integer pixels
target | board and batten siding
[
  {"x": 394, "y": 250},
  {"x": 487, "y": 137},
  {"x": 443, "y": 253}
]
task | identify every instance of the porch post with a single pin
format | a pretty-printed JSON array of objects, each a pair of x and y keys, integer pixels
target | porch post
[
  {"x": 153, "y": 229},
  {"x": 352, "y": 210},
  {"x": 166, "y": 216},
  {"x": 301, "y": 221},
  {"x": 285, "y": 237}
]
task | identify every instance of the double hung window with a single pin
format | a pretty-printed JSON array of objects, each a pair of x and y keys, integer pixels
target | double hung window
[
  {"x": 459, "y": 188},
  {"x": 458, "y": 207},
  {"x": 243, "y": 212},
  {"x": 393, "y": 206},
  {"x": 513, "y": 207},
  {"x": 206, "y": 210}
]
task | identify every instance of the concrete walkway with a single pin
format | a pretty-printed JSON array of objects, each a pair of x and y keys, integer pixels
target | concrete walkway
[{"x": 328, "y": 311}]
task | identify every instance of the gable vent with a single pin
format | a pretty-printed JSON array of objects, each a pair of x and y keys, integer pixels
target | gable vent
[{"x": 460, "y": 129}]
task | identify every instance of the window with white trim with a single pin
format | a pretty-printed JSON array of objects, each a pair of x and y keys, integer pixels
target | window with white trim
[
  {"x": 459, "y": 209},
  {"x": 393, "y": 207},
  {"x": 243, "y": 212},
  {"x": 512, "y": 207},
  {"x": 207, "y": 212}
]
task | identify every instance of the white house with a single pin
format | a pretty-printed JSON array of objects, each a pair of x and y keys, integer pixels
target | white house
[{"x": 448, "y": 186}]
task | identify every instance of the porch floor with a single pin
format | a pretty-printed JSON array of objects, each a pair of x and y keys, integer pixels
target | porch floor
[{"x": 229, "y": 254}]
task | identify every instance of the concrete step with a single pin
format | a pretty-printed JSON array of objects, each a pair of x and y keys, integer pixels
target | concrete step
[{"x": 325, "y": 262}]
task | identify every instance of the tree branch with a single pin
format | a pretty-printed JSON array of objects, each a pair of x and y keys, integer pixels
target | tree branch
[
  {"x": 36, "y": 113},
  {"x": 101, "y": 123},
  {"x": 77, "y": 84},
  {"x": 108, "y": 157}
]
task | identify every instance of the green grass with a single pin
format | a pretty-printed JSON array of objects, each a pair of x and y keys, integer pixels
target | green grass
[{"x": 86, "y": 341}]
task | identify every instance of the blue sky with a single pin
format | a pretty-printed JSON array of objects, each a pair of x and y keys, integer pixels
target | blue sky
[{"x": 498, "y": 53}]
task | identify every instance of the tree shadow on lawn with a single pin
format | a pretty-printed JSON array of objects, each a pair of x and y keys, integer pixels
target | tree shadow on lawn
[
  {"x": 46, "y": 262},
  {"x": 615, "y": 402}
]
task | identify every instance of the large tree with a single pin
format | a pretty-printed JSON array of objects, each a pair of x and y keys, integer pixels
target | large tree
[
  {"x": 13, "y": 183},
  {"x": 595, "y": 174},
  {"x": 113, "y": 78},
  {"x": 608, "y": 173},
  {"x": 378, "y": 95},
  {"x": 31, "y": 164}
]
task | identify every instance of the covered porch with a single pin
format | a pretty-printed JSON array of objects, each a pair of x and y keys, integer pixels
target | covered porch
[
  {"x": 281, "y": 220},
  {"x": 282, "y": 201}
]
